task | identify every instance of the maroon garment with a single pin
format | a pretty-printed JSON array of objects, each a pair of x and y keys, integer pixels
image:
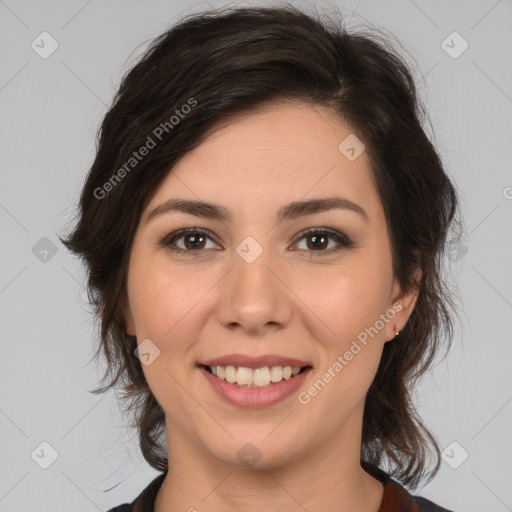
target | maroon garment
[{"x": 396, "y": 498}]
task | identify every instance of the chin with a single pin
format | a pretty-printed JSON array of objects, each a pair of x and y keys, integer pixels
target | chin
[{"x": 257, "y": 452}]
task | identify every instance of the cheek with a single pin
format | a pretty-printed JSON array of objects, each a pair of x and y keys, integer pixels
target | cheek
[
  {"x": 351, "y": 303},
  {"x": 161, "y": 299},
  {"x": 155, "y": 314},
  {"x": 346, "y": 298},
  {"x": 165, "y": 308},
  {"x": 349, "y": 300}
]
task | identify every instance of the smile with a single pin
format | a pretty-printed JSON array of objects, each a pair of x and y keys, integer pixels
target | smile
[
  {"x": 247, "y": 394},
  {"x": 257, "y": 378}
]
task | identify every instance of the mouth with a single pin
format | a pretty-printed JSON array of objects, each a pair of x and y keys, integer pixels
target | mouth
[{"x": 264, "y": 377}]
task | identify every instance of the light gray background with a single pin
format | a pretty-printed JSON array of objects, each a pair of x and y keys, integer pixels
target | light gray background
[{"x": 50, "y": 110}]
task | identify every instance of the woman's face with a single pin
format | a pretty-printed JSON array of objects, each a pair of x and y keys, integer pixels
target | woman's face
[{"x": 254, "y": 284}]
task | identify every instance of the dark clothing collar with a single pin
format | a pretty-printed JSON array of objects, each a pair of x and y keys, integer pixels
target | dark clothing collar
[{"x": 396, "y": 498}]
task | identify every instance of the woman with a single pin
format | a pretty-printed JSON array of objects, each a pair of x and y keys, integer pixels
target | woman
[{"x": 263, "y": 228}]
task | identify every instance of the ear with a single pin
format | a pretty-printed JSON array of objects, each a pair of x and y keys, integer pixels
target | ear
[
  {"x": 127, "y": 313},
  {"x": 402, "y": 303}
]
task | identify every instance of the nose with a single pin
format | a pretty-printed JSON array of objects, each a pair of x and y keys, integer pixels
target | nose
[{"x": 255, "y": 297}]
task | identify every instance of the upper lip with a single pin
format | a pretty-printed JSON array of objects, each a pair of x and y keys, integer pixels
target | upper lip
[{"x": 270, "y": 360}]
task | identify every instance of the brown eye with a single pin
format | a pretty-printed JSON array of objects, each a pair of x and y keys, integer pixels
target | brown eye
[
  {"x": 318, "y": 241},
  {"x": 194, "y": 240}
]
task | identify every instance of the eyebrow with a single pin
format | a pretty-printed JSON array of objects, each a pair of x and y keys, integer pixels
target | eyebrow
[{"x": 286, "y": 213}]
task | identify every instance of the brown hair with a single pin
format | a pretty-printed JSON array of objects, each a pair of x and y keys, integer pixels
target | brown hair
[{"x": 224, "y": 62}]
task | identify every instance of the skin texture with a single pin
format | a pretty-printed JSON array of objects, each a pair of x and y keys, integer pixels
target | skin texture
[{"x": 295, "y": 299}]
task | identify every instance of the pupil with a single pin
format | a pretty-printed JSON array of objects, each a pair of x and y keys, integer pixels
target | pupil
[
  {"x": 194, "y": 237},
  {"x": 316, "y": 237}
]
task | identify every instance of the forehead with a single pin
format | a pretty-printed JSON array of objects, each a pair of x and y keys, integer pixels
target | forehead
[{"x": 271, "y": 156}]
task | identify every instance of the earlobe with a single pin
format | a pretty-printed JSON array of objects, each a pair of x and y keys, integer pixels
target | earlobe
[{"x": 403, "y": 304}]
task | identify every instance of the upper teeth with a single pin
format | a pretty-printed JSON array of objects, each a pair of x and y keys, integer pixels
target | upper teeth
[{"x": 259, "y": 377}]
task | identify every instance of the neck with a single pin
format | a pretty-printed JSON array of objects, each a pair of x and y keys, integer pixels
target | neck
[{"x": 324, "y": 478}]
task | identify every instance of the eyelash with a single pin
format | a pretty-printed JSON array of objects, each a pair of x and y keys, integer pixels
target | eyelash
[{"x": 344, "y": 241}]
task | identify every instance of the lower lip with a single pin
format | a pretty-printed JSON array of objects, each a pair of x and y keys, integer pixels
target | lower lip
[{"x": 255, "y": 397}]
